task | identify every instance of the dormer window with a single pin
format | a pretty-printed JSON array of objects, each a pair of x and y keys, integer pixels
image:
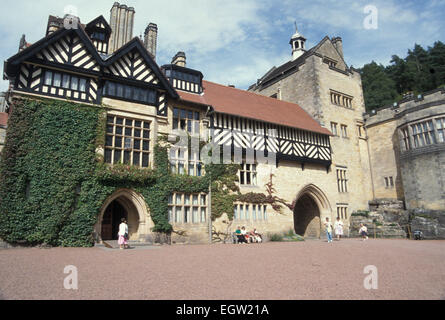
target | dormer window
[
  {"x": 331, "y": 63},
  {"x": 99, "y": 32},
  {"x": 184, "y": 79}
]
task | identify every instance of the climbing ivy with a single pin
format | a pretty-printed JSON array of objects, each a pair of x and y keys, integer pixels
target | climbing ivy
[
  {"x": 53, "y": 183},
  {"x": 48, "y": 193}
]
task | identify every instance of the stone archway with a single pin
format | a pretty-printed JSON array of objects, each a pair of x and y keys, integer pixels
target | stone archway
[
  {"x": 127, "y": 204},
  {"x": 311, "y": 208}
]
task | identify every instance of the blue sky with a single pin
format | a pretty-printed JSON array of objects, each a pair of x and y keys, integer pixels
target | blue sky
[{"x": 237, "y": 41}]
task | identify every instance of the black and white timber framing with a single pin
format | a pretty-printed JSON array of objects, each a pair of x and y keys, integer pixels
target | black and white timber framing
[
  {"x": 69, "y": 64},
  {"x": 72, "y": 54},
  {"x": 287, "y": 143}
]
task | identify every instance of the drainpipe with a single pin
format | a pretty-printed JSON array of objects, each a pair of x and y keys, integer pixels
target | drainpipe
[
  {"x": 210, "y": 210},
  {"x": 370, "y": 163},
  {"x": 210, "y": 112}
]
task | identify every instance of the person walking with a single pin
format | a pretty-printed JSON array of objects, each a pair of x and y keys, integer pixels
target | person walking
[
  {"x": 328, "y": 228},
  {"x": 123, "y": 234},
  {"x": 338, "y": 228}
]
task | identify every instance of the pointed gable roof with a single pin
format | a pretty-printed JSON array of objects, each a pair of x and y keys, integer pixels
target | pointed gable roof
[
  {"x": 292, "y": 66},
  {"x": 121, "y": 60},
  {"x": 100, "y": 22},
  {"x": 53, "y": 49},
  {"x": 13, "y": 63}
]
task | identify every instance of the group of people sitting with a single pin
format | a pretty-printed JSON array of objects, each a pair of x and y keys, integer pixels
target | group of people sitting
[{"x": 244, "y": 236}]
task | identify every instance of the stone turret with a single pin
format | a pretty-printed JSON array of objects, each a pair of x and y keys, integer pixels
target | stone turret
[{"x": 298, "y": 44}]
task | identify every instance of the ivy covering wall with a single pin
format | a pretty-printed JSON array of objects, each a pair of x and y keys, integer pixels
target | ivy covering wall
[{"x": 53, "y": 183}]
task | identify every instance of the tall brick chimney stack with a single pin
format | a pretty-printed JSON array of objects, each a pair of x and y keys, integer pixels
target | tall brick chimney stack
[{"x": 151, "y": 39}]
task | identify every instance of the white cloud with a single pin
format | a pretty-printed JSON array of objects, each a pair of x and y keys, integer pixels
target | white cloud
[{"x": 236, "y": 42}]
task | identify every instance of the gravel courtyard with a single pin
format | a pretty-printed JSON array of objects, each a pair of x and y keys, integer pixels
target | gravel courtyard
[{"x": 302, "y": 270}]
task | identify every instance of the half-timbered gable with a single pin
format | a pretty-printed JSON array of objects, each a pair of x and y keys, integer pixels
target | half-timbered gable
[
  {"x": 63, "y": 65},
  {"x": 67, "y": 65},
  {"x": 144, "y": 82},
  {"x": 132, "y": 66}
]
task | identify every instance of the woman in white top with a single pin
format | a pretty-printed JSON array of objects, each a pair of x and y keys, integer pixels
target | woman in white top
[
  {"x": 338, "y": 227},
  {"x": 363, "y": 231},
  {"x": 123, "y": 234}
]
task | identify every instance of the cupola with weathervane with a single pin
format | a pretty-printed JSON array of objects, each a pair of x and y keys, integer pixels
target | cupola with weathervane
[{"x": 298, "y": 44}]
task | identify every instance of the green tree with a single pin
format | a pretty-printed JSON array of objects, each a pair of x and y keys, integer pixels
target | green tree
[
  {"x": 379, "y": 89},
  {"x": 420, "y": 71},
  {"x": 436, "y": 62}
]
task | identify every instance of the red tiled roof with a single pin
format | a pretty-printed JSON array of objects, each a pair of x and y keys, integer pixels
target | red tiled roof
[
  {"x": 250, "y": 105},
  {"x": 3, "y": 119}
]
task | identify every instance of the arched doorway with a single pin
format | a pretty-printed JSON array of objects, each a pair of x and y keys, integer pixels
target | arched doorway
[
  {"x": 311, "y": 207},
  {"x": 113, "y": 216},
  {"x": 126, "y": 204},
  {"x": 307, "y": 221}
]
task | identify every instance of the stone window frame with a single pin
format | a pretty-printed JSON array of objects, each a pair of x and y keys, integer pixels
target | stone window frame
[
  {"x": 183, "y": 161},
  {"x": 186, "y": 119},
  {"x": 389, "y": 182},
  {"x": 362, "y": 132},
  {"x": 440, "y": 129},
  {"x": 342, "y": 181},
  {"x": 190, "y": 211},
  {"x": 342, "y": 211},
  {"x": 406, "y": 141},
  {"x": 344, "y": 130},
  {"x": 261, "y": 212},
  {"x": 433, "y": 133},
  {"x": 330, "y": 62},
  {"x": 341, "y": 99},
  {"x": 126, "y": 129},
  {"x": 423, "y": 133},
  {"x": 334, "y": 128},
  {"x": 248, "y": 172}
]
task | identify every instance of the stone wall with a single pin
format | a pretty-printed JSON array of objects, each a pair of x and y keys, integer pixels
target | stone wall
[
  {"x": 384, "y": 157},
  {"x": 389, "y": 219},
  {"x": 418, "y": 171},
  {"x": 431, "y": 223}
]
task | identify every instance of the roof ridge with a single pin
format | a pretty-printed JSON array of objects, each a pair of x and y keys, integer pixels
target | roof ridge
[{"x": 253, "y": 93}]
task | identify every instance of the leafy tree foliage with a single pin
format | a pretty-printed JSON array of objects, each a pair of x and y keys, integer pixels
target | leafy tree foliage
[
  {"x": 420, "y": 71},
  {"x": 378, "y": 88}
]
